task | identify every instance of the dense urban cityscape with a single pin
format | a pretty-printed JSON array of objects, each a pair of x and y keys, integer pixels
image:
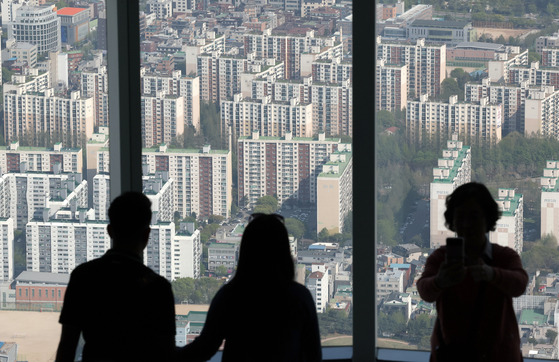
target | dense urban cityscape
[{"x": 246, "y": 107}]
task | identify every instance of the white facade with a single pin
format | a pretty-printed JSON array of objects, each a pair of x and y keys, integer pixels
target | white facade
[
  {"x": 317, "y": 283},
  {"x": 187, "y": 253},
  {"x": 240, "y": 117},
  {"x": 453, "y": 170},
  {"x": 541, "y": 113},
  {"x": 163, "y": 9},
  {"x": 390, "y": 282},
  {"x": 284, "y": 167},
  {"x": 95, "y": 84},
  {"x": 334, "y": 191},
  {"x": 510, "y": 227},
  {"x": 6, "y": 249},
  {"x": 474, "y": 121},
  {"x": 37, "y": 25},
  {"x": 40, "y": 159},
  {"x": 162, "y": 118},
  {"x": 550, "y": 199},
  {"x": 392, "y": 86}
]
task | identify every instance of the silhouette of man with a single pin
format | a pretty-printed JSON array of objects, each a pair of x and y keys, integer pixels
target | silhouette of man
[{"x": 124, "y": 310}]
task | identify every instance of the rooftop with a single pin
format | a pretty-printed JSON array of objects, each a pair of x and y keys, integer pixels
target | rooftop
[
  {"x": 40, "y": 277},
  {"x": 453, "y": 172},
  {"x": 440, "y": 24}
]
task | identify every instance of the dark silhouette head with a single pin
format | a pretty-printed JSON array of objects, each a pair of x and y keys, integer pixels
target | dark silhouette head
[
  {"x": 265, "y": 252},
  {"x": 472, "y": 193},
  {"x": 129, "y": 220}
]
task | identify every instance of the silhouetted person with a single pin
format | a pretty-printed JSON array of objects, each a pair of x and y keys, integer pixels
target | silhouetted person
[
  {"x": 476, "y": 320},
  {"x": 262, "y": 313},
  {"x": 125, "y": 311}
]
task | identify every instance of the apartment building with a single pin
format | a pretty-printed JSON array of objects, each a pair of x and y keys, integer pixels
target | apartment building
[
  {"x": 286, "y": 167},
  {"x": 392, "y": 86},
  {"x": 35, "y": 115},
  {"x": 550, "y": 199},
  {"x": 241, "y": 116},
  {"x": 222, "y": 76},
  {"x": 94, "y": 83},
  {"x": 208, "y": 45},
  {"x": 453, "y": 170},
  {"x": 202, "y": 179},
  {"x": 6, "y": 248},
  {"x": 390, "y": 282},
  {"x": 547, "y": 41},
  {"x": 511, "y": 96},
  {"x": 163, "y": 9},
  {"x": 541, "y": 116},
  {"x": 426, "y": 63},
  {"x": 500, "y": 69},
  {"x": 289, "y": 49},
  {"x": 334, "y": 191},
  {"x": 40, "y": 159},
  {"x": 549, "y": 57},
  {"x": 37, "y": 25},
  {"x": 332, "y": 103},
  {"x": 222, "y": 255},
  {"x": 182, "y": 6},
  {"x": 510, "y": 227},
  {"x": 334, "y": 70},
  {"x": 174, "y": 84},
  {"x": 162, "y": 118},
  {"x": 317, "y": 283},
  {"x": 481, "y": 122},
  {"x": 534, "y": 75},
  {"x": 24, "y": 196},
  {"x": 187, "y": 254}
]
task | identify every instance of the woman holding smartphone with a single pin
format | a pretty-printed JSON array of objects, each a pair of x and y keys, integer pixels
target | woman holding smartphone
[{"x": 473, "y": 292}]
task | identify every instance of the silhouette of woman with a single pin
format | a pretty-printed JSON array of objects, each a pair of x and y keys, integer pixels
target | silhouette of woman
[
  {"x": 262, "y": 313},
  {"x": 476, "y": 320}
]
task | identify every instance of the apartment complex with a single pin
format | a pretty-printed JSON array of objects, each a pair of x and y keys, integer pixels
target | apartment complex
[
  {"x": 392, "y": 87},
  {"x": 479, "y": 122},
  {"x": 162, "y": 118},
  {"x": 202, "y": 179},
  {"x": 15, "y": 158},
  {"x": 426, "y": 63},
  {"x": 510, "y": 227},
  {"x": 501, "y": 70},
  {"x": 541, "y": 116},
  {"x": 334, "y": 191},
  {"x": 286, "y": 167},
  {"x": 35, "y": 115},
  {"x": 453, "y": 170},
  {"x": 175, "y": 85},
  {"x": 241, "y": 116},
  {"x": 37, "y": 25}
]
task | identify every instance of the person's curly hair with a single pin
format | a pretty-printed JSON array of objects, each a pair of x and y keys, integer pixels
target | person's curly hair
[{"x": 477, "y": 192}]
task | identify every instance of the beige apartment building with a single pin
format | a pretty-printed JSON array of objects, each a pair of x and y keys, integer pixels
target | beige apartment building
[{"x": 510, "y": 227}]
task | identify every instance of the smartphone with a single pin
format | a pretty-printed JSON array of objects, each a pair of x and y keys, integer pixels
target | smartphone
[{"x": 455, "y": 250}]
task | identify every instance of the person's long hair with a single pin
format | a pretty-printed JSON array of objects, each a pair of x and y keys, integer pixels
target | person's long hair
[{"x": 264, "y": 254}]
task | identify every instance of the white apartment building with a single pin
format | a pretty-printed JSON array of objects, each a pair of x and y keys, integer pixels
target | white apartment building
[
  {"x": 534, "y": 75},
  {"x": 332, "y": 103},
  {"x": 37, "y": 25},
  {"x": 187, "y": 254},
  {"x": 162, "y": 9},
  {"x": 25, "y": 196},
  {"x": 453, "y": 170},
  {"x": 547, "y": 42},
  {"x": 541, "y": 116},
  {"x": 222, "y": 76},
  {"x": 286, "y": 167},
  {"x": 240, "y": 117},
  {"x": 207, "y": 45},
  {"x": 182, "y": 6},
  {"x": 510, "y": 227},
  {"x": 101, "y": 196},
  {"x": 6, "y": 249},
  {"x": 426, "y": 63},
  {"x": 474, "y": 121},
  {"x": 334, "y": 191},
  {"x": 550, "y": 199},
  {"x": 289, "y": 49},
  {"x": 175, "y": 84},
  {"x": 33, "y": 115},
  {"x": 390, "y": 282},
  {"x": 162, "y": 118},
  {"x": 334, "y": 70},
  {"x": 94, "y": 83},
  {"x": 550, "y": 57},
  {"x": 392, "y": 86},
  {"x": 202, "y": 179},
  {"x": 32, "y": 80},
  {"x": 317, "y": 283},
  {"x": 511, "y": 96},
  {"x": 499, "y": 70},
  {"x": 9, "y": 8},
  {"x": 40, "y": 159}
]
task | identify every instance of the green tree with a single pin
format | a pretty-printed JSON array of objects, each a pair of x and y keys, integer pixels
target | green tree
[
  {"x": 449, "y": 87},
  {"x": 6, "y": 75},
  {"x": 215, "y": 219},
  {"x": 551, "y": 335},
  {"x": 266, "y": 205},
  {"x": 323, "y": 235},
  {"x": 295, "y": 227}
]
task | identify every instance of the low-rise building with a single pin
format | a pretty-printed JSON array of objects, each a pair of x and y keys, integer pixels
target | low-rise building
[{"x": 222, "y": 255}]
